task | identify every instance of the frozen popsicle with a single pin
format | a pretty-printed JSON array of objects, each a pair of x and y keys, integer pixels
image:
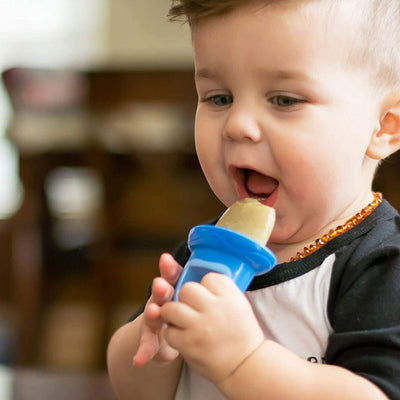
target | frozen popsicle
[{"x": 251, "y": 218}]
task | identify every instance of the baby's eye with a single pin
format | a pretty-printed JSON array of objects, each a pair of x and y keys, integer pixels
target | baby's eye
[
  {"x": 284, "y": 101},
  {"x": 221, "y": 100}
]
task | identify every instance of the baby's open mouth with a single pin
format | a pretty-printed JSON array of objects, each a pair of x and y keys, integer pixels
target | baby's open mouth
[{"x": 259, "y": 186}]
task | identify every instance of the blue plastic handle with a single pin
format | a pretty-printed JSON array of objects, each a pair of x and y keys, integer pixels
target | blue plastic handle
[{"x": 222, "y": 250}]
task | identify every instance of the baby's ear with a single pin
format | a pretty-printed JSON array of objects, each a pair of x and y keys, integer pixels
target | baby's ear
[{"x": 386, "y": 140}]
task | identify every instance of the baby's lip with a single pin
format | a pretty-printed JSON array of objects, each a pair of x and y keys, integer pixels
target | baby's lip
[{"x": 251, "y": 183}]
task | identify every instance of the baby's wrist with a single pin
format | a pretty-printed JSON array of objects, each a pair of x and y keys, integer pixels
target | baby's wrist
[{"x": 241, "y": 366}]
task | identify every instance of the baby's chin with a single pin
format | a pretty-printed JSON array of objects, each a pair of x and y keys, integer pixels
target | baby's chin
[{"x": 291, "y": 232}]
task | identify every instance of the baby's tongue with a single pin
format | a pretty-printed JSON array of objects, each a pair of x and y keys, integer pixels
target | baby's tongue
[{"x": 260, "y": 185}]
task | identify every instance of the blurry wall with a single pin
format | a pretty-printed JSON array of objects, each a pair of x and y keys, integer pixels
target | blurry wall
[
  {"x": 91, "y": 32},
  {"x": 140, "y": 34},
  {"x": 52, "y": 32}
]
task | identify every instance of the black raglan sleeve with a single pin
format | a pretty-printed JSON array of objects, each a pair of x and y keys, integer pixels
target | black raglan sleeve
[{"x": 364, "y": 311}]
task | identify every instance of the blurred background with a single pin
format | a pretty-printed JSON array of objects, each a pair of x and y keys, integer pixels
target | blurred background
[{"x": 98, "y": 176}]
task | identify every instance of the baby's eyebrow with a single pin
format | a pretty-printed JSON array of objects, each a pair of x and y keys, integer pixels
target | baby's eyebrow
[
  {"x": 289, "y": 74},
  {"x": 282, "y": 74},
  {"x": 205, "y": 73}
]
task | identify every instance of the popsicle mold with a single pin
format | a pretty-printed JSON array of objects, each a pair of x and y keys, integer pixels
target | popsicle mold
[{"x": 223, "y": 250}]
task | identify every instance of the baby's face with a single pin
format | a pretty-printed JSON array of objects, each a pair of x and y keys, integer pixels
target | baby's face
[{"x": 281, "y": 118}]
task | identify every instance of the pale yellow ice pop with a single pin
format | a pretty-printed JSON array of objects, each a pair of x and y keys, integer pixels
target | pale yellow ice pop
[{"x": 251, "y": 218}]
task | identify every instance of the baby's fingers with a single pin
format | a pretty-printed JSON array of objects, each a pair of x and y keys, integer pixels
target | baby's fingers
[
  {"x": 170, "y": 270},
  {"x": 162, "y": 291},
  {"x": 152, "y": 317},
  {"x": 148, "y": 348},
  {"x": 152, "y": 344}
]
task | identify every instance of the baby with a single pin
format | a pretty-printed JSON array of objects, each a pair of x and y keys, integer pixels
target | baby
[{"x": 299, "y": 101}]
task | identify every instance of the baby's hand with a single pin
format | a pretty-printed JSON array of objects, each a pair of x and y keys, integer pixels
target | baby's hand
[
  {"x": 152, "y": 343},
  {"x": 213, "y": 326}
]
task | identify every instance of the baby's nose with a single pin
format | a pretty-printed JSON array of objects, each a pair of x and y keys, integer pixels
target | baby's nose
[{"x": 242, "y": 124}]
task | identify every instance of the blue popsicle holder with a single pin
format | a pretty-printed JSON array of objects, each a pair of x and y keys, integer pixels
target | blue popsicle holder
[{"x": 222, "y": 250}]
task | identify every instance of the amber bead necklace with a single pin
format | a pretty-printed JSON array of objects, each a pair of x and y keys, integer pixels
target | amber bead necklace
[{"x": 352, "y": 222}]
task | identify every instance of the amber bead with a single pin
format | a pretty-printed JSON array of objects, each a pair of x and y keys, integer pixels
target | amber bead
[
  {"x": 364, "y": 212},
  {"x": 340, "y": 229},
  {"x": 332, "y": 234},
  {"x": 348, "y": 225},
  {"x": 325, "y": 238}
]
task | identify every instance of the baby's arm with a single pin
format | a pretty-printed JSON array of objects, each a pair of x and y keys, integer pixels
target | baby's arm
[
  {"x": 217, "y": 333},
  {"x": 277, "y": 373},
  {"x": 141, "y": 365}
]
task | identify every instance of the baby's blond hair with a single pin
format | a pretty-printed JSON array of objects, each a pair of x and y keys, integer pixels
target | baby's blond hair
[{"x": 374, "y": 42}]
